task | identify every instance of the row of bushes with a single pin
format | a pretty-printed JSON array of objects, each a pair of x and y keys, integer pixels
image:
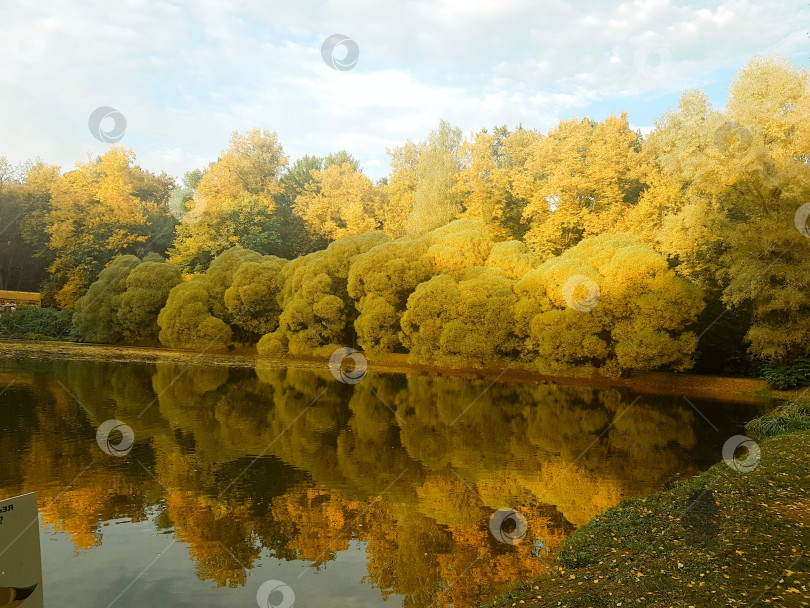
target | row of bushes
[{"x": 454, "y": 296}]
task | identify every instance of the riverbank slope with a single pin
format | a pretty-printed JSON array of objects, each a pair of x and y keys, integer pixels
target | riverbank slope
[{"x": 722, "y": 538}]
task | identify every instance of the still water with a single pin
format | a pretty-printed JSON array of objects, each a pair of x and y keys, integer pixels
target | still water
[{"x": 379, "y": 493}]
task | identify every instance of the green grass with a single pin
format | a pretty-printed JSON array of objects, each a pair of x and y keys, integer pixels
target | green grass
[
  {"x": 788, "y": 418},
  {"x": 722, "y": 538}
]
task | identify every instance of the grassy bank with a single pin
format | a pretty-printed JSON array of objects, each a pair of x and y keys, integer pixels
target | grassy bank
[
  {"x": 734, "y": 390},
  {"x": 722, "y": 538}
]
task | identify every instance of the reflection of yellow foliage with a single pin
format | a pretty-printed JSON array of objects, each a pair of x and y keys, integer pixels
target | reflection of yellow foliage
[
  {"x": 478, "y": 565},
  {"x": 445, "y": 498},
  {"x": 414, "y": 466},
  {"x": 323, "y": 522},
  {"x": 77, "y": 513},
  {"x": 219, "y": 539}
]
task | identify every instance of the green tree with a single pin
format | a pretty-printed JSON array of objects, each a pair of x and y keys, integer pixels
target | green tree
[
  {"x": 186, "y": 320},
  {"x": 459, "y": 246},
  {"x": 469, "y": 322},
  {"x": 196, "y": 315},
  {"x": 380, "y": 282},
  {"x": 96, "y": 312},
  {"x": 252, "y": 298},
  {"x": 296, "y": 240},
  {"x": 434, "y": 201},
  {"x": 317, "y": 313},
  {"x": 609, "y": 302},
  {"x": 24, "y": 200},
  {"x": 147, "y": 290}
]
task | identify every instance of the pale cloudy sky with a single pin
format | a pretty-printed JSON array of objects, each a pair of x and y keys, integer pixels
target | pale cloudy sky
[{"x": 185, "y": 74}]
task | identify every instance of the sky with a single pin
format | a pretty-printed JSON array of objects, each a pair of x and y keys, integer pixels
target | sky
[{"x": 184, "y": 75}]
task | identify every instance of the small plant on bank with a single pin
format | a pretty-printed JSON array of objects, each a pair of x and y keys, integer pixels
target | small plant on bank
[
  {"x": 788, "y": 375},
  {"x": 34, "y": 323},
  {"x": 788, "y": 418}
]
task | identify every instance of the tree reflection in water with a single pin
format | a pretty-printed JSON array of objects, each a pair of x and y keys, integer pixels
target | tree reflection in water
[{"x": 411, "y": 465}]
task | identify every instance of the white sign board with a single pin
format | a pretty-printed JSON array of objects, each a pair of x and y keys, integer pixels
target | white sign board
[{"x": 20, "y": 564}]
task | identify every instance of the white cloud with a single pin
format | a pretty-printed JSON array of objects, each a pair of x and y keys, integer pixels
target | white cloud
[{"x": 187, "y": 74}]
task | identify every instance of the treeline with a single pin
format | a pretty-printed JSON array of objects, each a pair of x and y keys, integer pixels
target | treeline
[{"x": 465, "y": 251}]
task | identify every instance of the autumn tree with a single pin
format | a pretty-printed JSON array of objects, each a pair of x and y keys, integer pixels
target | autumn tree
[
  {"x": 382, "y": 279},
  {"x": 515, "y": 152},
  {"x": 434, "y": 201},
  {"x": 591, "y": 174},
  {"x": 495, "y": 178},
  {"x": 419, "y": 193},
  {"x": 481, "y": 181},
  {"x": 743, "y": 173},
  {"x": 513, "y": 257},
  {"x": 459, "y": 246},
  {"x": 234, "y": 202},
  {"x": 339, "y": 201},
  {"x": 102, "y": 209},
  {"x": 24, "y": 201},
  {"x": 400, "y": 188}
]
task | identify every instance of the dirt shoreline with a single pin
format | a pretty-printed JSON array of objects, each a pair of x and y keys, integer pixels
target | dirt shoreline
[{"x": 734, "y": 390}]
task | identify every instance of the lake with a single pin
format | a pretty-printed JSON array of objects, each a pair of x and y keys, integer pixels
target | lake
[{"x": 410, "y": 490}]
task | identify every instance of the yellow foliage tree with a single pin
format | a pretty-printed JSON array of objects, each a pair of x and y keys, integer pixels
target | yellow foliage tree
[
  {"x": 591, "y": 174},
  {"x": 744, "y": 176},
  {"x": 94, "y": 216},
  {"x": 234, "y": 202},
  {"x": 399, "y": 189},
  {"x": 482, "y": 182},
  {"x": 338, "y": 202}
]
